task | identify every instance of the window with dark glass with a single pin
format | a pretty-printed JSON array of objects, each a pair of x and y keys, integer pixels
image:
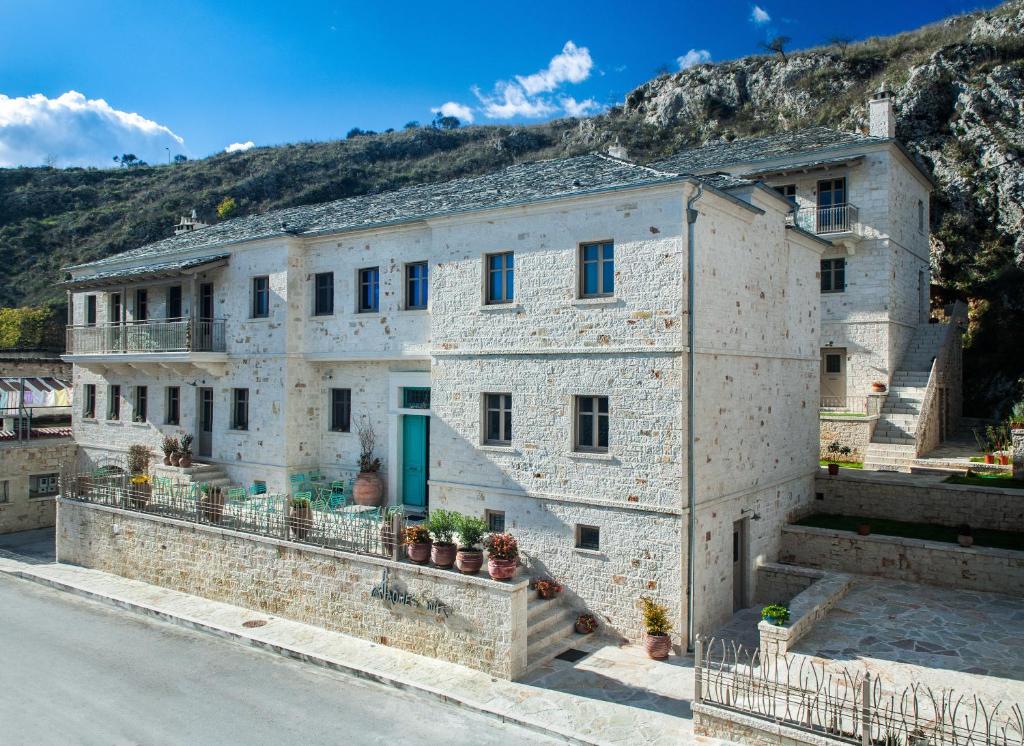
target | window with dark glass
[
  {"x": 833, "y": 363},
  {"x": 592, "y": 423},
  {"x": 788, "y": 191},
  {"x": 173, "y": 405},
  {"x": 323, "y": 296},
  {"x": 341, "y": 410},
  {"x": 414, "y": 397},
  {"x": 116, "y": 311},
  {"x": 89, "y": 406},
  {"x": 141, "y": 304},
  {"x": 588, "y": 537},
  {"x": 260, "y": 297},
  {"x": 239, "y": 409},
  {"x": 920, "y": 216},
  {"x": 495, "y": 521},
  {"x": 833, "y": 275},
  {"x": 500, "y": 278},
  {"x": 498, "y": 419},
  {"x": 113, "y": 402},
  {"x": 141, "y": 403},
  {"x": 369, "y": 290},
  {"x": 597, "y": 270},
  {"x": 416, "y": 285},
  {"x": 174, "y": 302},
  {"x": 90, "y": 310},
  {"x": 41, "y": 485}
]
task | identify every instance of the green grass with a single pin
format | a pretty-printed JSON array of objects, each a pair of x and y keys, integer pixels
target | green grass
[
  {"x": 1003, "y": 480},
  {"x": 927, "y": 531},
  {"x": 843, "y": 464},
  {"x": 828, "y": 413}
]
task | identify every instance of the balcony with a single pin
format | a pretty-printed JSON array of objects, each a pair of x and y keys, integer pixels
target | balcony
[
  {"x": 172, "y": 343},
  {"x": 838, "y": 220}
]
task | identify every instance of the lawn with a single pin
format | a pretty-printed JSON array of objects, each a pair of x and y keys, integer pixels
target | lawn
[
  {"x": 843, "y": 464},
  {"x": 1003, "y": 480},
  {"x": 927, "y": 531}
]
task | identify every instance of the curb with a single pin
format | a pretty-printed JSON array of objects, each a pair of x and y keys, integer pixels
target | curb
[{"x": 287, "y": 652}]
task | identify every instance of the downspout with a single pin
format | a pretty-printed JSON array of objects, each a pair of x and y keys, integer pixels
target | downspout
[{"x": 691, "y": 490}]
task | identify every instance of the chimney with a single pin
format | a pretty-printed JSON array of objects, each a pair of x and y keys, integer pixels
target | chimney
[
  {"x": 881, "y": 113},
  {"x": 618, "y": 151}
]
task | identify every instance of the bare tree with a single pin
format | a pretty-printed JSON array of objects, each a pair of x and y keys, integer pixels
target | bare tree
[
  {"x": 840, "y": 43},
  {"x": 777, "y": 45}
]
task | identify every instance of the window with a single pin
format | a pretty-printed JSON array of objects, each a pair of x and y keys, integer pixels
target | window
[
  {"x": 588, "y": 537},
  {"x": 495, "y": 521},
  {"x": 89, "y": 406},
  {"x": 174, "y": 302},
  {"x": 42, "y": 485},
  {"x": 592, "y": 423},
  {"x": 260, "y": 297},
  {"x": 90, "y": 310},
  {"x": 833, "y": 363},
  {"x": 116, "y": 311},
  {"x": 920, "y": 216},
  {"x": 113, "y": 402},
  {"x": 788, "y": 191},
  {"x": 141, "y": 403},
  {"x": 415, "y": 398},
  {"x": 341, "y": 410},
  {"x": 323, "y": 294},
  {"x": 833, "y": 275},
  {"x": 173, "y": 405},
  {"x": 498, "y": 419},
  {"x": 416, "y": 285},
  {"x": 369, "y": 290},
  {"x": 500, "y": 278},
  {"x": 597, "y": 270},
  {"x": 239, "y": 409},
  {"x": 5, "y": 491},
  {"x": 141, "y": 304}
]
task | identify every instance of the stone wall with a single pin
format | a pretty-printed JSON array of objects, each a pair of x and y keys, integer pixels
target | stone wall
[
  {"x": 485, "y": 627},
  {"x": 13, "y": 364},
  {"x": 18, "y": 463},
  {"x": 1018, "y": 454},
  {"x": 779, "y": 584},
  {"x": 805, "y": 610},
  {"x": 931, "y": 562},
  {"x": 854, "y": 432},
  {"x": 904, "y": 497},
  {"x": 737, "y": 727}
]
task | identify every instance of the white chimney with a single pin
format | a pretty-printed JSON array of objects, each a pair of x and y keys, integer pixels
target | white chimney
[
  {"x": 881, "y": 113},
  {"x": 618, "y": 151}
]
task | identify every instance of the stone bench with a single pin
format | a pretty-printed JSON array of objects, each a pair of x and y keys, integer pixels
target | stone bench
[{"x": 823, "y": 592}]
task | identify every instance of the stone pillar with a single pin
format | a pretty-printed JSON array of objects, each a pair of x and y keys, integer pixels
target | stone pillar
[{"x": 1018, "y": 453}]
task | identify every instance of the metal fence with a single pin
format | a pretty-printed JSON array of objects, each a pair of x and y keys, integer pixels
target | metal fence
[
  {"x": 319, "y": 523},
  {"x": 171, "y": 335},
  {"x": 856, "y": 406},
  {"x": 824, "y": 220},
  {"x": 844, "y": 705}
]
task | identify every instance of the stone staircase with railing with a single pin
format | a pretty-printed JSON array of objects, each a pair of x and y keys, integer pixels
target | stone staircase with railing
[
  {"x": 210, "y": 474},
  {"x": 550, "y": 626},
  {"x": 893, "y": 444}
]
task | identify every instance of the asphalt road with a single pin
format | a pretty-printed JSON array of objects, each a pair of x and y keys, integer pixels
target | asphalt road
[{"x": 75, "y": 672}]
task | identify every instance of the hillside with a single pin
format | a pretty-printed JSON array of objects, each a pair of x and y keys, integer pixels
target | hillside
[{"x": 959, "y": 89}]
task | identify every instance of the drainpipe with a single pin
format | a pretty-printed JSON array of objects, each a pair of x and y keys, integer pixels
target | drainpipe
[{"x": 691, "y": 490}]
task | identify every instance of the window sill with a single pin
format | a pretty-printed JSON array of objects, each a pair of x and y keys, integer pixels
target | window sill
[
  {"x": 119, "y": 423},
  {"x": 91, "y": 420},
  {"x": 495, "y": 448},
  {"x": 340, "y": 432},
  {"x": 588, "y": 552},
  {"x": 40, "y": 498},
  {"x": 499, "y": 307},
  {"x": 588, "y": 456},
  {"x": 418, "y": 311},
  {"x": 597, "y": 302},
  {"x": 367, "y": 314}
]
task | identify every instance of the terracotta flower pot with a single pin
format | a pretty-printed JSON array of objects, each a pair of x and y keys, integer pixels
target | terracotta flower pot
[
  {"x": 864, "y": 529},
  {"x": 1004, "y": 460},
  {"x": 175, "y": 459},
  {"x": 469, "y": 561},
  {"x": 501, "y": 569},
  {"x": 657, "y": 646},
  {"x": 442, "y": 555},
  {"x": 300, "y": 521},
  {"x": 582, "y": 629},
  {"x": 989, "y": 458},
  {"x": 138, "y": 496},
  {"x": 964, "y": 540},
  {"x": 186, "y": 462},
  {"x": 833, "y": 469},
  {"x": 546, "y": 593},
  {"x": 212, "y": 506},
  {"x": 878, "y": 388},
  {"x": 418, "y": 553},
  {"x": 368, "y": 489},
  {"x": 167, "y": 460}
]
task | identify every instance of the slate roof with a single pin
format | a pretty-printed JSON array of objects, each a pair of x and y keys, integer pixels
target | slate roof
[
  {"x": 519, "y": 184},
  {"x": 171, "y": 267},
  {"x": 753, "y": 149}
]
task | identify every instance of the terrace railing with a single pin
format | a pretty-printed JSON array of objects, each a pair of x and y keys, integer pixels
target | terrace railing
[
  {"x": 171, "y": 335},
  {"x": 824, "y": 220},
  {"x": 855, "y": 406}
]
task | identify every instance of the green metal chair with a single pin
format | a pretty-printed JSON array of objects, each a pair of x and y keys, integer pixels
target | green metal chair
[
  {"x": 258, "y": 489},
  {"x": 237, "y": 495},
  {"x": 297, "y": 482}
]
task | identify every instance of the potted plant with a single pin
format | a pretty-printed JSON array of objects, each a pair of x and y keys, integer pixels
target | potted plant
[
  {"x": 983, "y": 446},
  {"x": 300, "y": 518},
  {"x": 211, "y": 503},
  {"x": 586, "y": 624},
  {"x": 502, "y": 556},
  {"x": 863, "y": 529},
  {"x": 442, "y": 525},
  {"x": 186, "y": 451},
  {"x": 546, "y": 588},
  {"x": 470, "y": 557},
  {"x": 1005, "y": 444},
  {"x": 775, "y": 614},
  {"x": 169, "y": 446},
  {"x": 368, "y": 488},
  {"x": 878, "y": 387},
  {"x": 1017, "y": 416},
  {"x": 138, "y": 468},
  {"x": 657, "y": 642},
  {"x": 964, "y": 535},
  {"x": 417, "y": 543},
  {"x": 836, "y": 453}
]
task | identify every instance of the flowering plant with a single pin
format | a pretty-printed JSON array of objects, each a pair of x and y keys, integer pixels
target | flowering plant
[
  {"x": 139, "y": 479},
  {"x": 586, "y": 623},
  {"x": 416, "y": 535},
  {"x": 546, "y": 587},
  {"x": 502, "y": 547}
]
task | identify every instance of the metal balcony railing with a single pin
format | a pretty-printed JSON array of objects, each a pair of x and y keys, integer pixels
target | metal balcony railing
[
  {"x": 850, "y": 406},
  {"x": 171, "y": 335},
  {"x": 825, "y": 220}
]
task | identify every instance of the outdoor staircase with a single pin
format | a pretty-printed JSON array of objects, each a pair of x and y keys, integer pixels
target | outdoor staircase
[
  {"x": 893, "y": 444},
  {"x": 550, "y": 626},
  {"x": 196, "y": 474}
]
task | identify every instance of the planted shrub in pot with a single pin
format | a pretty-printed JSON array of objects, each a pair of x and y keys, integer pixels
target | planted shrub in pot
[
  {"x": 417, "y": 543},
  {"x": 586, "y": 624},
  {"x": 470, "y": 557},
  {"x": 140, "y": 489},
  {"x": 442, "y": 525},
  {"x": 502, "y": 556},
  {"x": 186, "y": 451},
  {"x": 546, "y": 588},
  {"x": 964, "y": 535},
  {"x": 300, "y": 518},
  {"x": 836, "y": 452},
  {"x": 368, "y": 488},
  {"x": 776, "y": 614},
  {"x": 211, "y": 503},
  {"x": 169, "y": 446},
  {"x": 657, "y": 642}
]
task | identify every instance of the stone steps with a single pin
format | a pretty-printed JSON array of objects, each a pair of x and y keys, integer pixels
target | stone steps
[
  {"x": 196, "y": 474},
  {"x": 550, "y": 625}
]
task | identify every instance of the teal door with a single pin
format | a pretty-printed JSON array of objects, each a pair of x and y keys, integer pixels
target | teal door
[{"x": 414, "y": 460}]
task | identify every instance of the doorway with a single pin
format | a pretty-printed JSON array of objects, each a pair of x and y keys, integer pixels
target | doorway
[
  {"x": 205, "y": 446},
  {"x": 204, "y": 325},
  {"x": 833, "y": 378},
  {"x": 415, "y": 466},
  {"x": 831, "y": 205},
  {"x": 739, "y": 564}
]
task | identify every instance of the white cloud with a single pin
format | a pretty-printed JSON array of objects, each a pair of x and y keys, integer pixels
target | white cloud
[
  {"x": 572, "y": 65},
  {"x": 510, "y": 100},
  {"x": 693, "y": 57},
  {"x": 454, "y": 109},
  {"x": 239, "y": 147},
  {"x": 75, "y": 131},
  {"x": 575, "y": 108},
  {"x": 759, "y": 15}
]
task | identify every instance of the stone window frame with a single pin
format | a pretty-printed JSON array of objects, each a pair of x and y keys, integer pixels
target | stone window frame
[
  {"x": 168, "y": 409},
  {"x": 346, "y": 407},
  {"x": 52, "y": 480},
  {"x": 89, "y": 401},
  {"x": 361, "y": 283},
  {"x": 240, "y": 409},
  {"x": 140, "y": 404},
  {"x": 581, "y": 541},
  {"x": 579, "y": 448},
  {"x": 113, "y": 402},
  {"x": 581, "y": 293},
  {"x": 328, "y": 297},
  {"x": 409, "y": 282},
  {"x": 506, "y": 268},
  {"x": 256, "y": 310},
  {"x": 831, "y": 268},
  {"x": 505, "y": 418}
]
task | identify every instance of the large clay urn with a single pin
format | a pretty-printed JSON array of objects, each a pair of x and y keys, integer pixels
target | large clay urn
[
  {"x": 442, "y": 555},
  {"x": 501, "y": 569},
  {"x": 418, "y": 552},
  {"x": 368, "y": 489},
  {"x": 469, "y": 561},
  {"x": 657, "y": 646}
]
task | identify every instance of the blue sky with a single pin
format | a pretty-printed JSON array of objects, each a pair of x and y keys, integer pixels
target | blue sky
[{"x": 203, "y": 75}]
